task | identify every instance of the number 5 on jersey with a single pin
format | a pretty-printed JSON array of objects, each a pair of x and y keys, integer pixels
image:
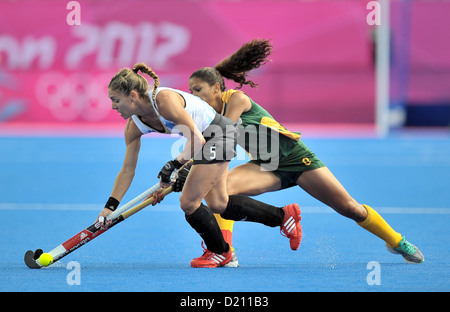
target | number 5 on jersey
[{"x": 212, "y": 150}]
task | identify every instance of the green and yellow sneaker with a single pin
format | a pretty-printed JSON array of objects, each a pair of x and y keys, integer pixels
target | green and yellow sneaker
[{"x": 410, "y": 253}]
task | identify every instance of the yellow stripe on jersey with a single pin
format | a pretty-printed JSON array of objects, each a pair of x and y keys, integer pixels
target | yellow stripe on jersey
[
  {"x": 227, "y": 94},
  {"x": 265, "y": 120},
  {"x": 274, "y": 125}
]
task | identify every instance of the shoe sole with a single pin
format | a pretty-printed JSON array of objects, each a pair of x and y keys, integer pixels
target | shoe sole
[
  {"x": 203, "y": 266},
  {"x": 212, "y": 264},
  {"x": 395, "y": 252},
  {"x": 232, "y": 264}
]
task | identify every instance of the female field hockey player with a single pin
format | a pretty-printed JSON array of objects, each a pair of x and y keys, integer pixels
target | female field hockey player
[
  {"x": 211, "y": 142},
  {"x": 297, "y": 164}
]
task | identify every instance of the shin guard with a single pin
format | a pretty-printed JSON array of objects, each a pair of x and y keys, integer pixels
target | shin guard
[
  {"x": 205, "y": 224},
  {"x": 243, "y": 208}
]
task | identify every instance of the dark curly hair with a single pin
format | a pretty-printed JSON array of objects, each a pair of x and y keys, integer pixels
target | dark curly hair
[{"x": 235, "y": 67}]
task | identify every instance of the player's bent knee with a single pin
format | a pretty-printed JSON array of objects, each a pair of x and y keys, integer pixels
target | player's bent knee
[
  {"x": 188, "y": 205},
  {"x": 218, "y": 208},
  {"x": 218, "y": 204}
]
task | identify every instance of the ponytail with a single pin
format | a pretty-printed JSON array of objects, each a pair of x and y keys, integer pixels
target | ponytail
[
  {"x": 251, "y": 55},
  {"x": 147, "y": 70},
  {"x": 127, "y": 80}
]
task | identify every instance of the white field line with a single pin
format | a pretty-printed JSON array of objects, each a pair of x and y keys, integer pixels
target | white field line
[{"x": 162, "y": 206}]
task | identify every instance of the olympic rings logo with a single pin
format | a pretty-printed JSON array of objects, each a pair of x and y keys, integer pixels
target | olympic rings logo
[{"x": 74, "y": 96}]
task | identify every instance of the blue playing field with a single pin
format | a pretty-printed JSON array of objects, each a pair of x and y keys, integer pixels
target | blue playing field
[{"x": 52, "y": 188}]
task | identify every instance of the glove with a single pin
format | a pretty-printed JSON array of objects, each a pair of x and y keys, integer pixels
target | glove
[
  {"x": 165, "y": 175},
  {"x": 181, "y": 177}
]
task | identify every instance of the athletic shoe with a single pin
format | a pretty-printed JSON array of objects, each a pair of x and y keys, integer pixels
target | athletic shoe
[
  {"x": 234, "y": 263},
  {"x": 410, "y": 253},
  {"x": 210, "y": 259},
  {"x": 291, "y": 227}
]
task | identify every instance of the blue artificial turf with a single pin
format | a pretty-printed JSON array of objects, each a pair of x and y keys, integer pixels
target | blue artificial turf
[{"x": 52, "y": 188}]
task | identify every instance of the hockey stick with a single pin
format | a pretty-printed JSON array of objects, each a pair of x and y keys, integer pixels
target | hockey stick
[{"x": 32, "y": 257}]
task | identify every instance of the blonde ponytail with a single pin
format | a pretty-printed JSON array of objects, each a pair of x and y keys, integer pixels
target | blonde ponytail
[
  {"x": 127, "y": 80},
  {"x": 147, "y": 70}
]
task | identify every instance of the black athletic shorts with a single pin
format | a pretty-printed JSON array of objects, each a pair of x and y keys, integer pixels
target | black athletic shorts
[{"x": 221, "y": 139}]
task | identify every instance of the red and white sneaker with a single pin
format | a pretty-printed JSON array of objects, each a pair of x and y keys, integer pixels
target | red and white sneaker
[
  {"x": 291, "y": 227},
  {"x": 210, "y": 259}
]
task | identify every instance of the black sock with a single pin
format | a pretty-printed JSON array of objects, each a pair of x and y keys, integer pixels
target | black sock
[
  {"x": 204, "y": 222},
  {"x": 243, "y": 208}
]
